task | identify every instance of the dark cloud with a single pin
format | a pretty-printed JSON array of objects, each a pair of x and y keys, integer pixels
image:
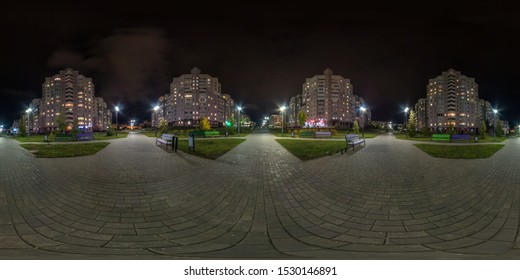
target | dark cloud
[
  {"x": 64, "y": 58},
  {"x": 126, "y": 66},
  {"x": 18, "y": 94},
  {"x": 131, "y": 62}
]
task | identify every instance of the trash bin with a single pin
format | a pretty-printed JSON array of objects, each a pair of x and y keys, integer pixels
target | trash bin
[
  {"x": 292, "y": 134},
  {"x": 476, "y": 139},
  {"x": 45, "y": 138},
  {"x": 191, "y": 142}
]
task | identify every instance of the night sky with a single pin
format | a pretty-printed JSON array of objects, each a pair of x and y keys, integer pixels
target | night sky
[{"x": 261, "y": 54}]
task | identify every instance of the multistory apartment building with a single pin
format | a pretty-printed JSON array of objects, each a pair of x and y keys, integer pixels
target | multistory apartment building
[
  {"x": 451, "y": 99},
  {"x": 327, "y": 100},
  {"x": 102, "y": 117},
  {"x": 191, "y": 97},
  {"x": 421, "y": 114},
  {"x": 486, "y": 113},
  {"x": 292, "y": 111},
  {"x": 72, "y": 95}
]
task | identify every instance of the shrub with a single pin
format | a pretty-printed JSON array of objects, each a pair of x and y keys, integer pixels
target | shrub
[{"x": 111, "y": 132}]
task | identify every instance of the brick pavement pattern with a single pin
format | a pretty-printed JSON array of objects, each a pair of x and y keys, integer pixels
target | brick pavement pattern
[{"x": 134, "y": 200}]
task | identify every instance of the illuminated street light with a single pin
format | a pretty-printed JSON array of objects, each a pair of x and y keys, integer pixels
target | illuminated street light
[
  {"x": 117, "y": 124},
  {"x": 156, "y": 109},
  {"x": 28, "y": 111},
  {"x": 363, "y": 109},
  {"x": 282, "y": 109},
  {"x": 495, "y": 111},
  {"x": 405, "y": 119},
  {"x": 238, "y": 124}
]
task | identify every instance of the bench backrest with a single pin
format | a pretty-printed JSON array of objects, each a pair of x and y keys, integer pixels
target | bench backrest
[
  {"x": 306, "y": 133},
  {"x": 84, "y": 135},
  {"x": 167, "y": 136},
  {"x": 441, "y": 136},
  {"x": 460, "y": 137},
  {"x": 323, "y": 133},
  {"x": 351, "y": 137}
]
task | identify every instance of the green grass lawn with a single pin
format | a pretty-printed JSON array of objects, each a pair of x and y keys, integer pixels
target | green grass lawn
[
  {"x": 210, "y": 148},
  {"x": 103, "y": 135},
  {"x": 97, "y": 136},
  {"x": 184, "y": 134},
  {"x": 32, "y": 138},
  {"x": 487, "y": 139},
  {"x": 311, "y": 149},
  {"x": 339, "y": 135},
  {"x": 65, "y": 150},
  {"x": 460, "y": 151}
]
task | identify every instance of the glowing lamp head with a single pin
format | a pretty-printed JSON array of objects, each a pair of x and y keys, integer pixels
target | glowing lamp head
[
  {"x": 156, "y": 108},
  {"x": 363, "y": 109},
  {"x": 495, "y": 111},
  {"x": 239, "y": 108},
  {"x": 282, "y": 108},
  {"x": 117, "y": 109},
  {"x": 406, "y": 109},
  {"x": 28, "y": 110}
]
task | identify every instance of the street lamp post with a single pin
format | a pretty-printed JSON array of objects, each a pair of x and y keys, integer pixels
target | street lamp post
[
  {"x": 238, "y": 124},
  {"x": 283, "y": 110},
  {"x": 405, "y": 117},
  {"x": 495, "y": 111},
  {"x": 117, "y": 124},
  {"x": 28, "y": 111},
  {"x": 156, "y": 109},
  {"x": 363, "y": 109}
]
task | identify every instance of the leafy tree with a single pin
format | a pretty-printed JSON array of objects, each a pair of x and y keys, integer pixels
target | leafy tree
[
  {"x": 483, "y": 130},
  {"x": 75, "y": 127},
  {"x": 450, "y": 129},
  {"x": 204, "y": 124},
  {"x": 425, "y": 129},
  {"x": 499, "y": 130},
  {"x": 111, "y": 131},
  {"x": 412, "y": 124},
  {"x": 355, "y": 128},
  {"x": 22, "y": 126},
  {"x": 61, "y": 122},
  {"x": 302, "y": 117},
  {"x": 163, "y": 127}
]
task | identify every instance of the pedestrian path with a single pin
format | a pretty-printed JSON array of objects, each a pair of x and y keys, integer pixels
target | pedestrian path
[{"x": 136, "y": 200}]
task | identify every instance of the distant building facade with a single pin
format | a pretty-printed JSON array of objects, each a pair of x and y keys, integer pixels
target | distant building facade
[
  {"x": 72, "y": 95},
  {"x": 327, "y": 100},
  {"x": 452, "y": 99},
  {"x": 191, "y": 97}
]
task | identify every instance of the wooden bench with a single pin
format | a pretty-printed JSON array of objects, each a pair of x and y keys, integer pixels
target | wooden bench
[
  {"x": 460, "y": 137},
  {"x": 306, "y": 134},
  {"x": 84, "y": 136},
  {"x": 166, "y": 139},
  {"x": 323, "y": 134},
  {"x": 63, "y": 137},
  {"x": 211, "y": 133},
  {"x": 354, "y": 140},
  {"x": 440, "y": 137}
]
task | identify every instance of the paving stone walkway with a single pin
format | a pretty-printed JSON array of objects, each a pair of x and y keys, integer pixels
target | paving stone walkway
[{"x": 134, "y": 200}]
